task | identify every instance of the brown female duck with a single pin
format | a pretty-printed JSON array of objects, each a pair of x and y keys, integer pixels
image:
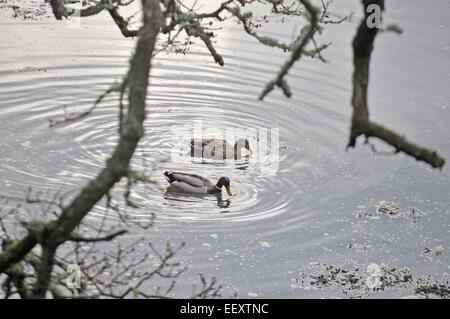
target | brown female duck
[{"x": 218, "y": 148}]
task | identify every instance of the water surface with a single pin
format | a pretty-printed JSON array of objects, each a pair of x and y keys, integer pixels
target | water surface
[{"x": 319, "y": 206}]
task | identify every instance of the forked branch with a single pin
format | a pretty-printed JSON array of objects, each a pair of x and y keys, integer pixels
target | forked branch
[{"x": 361, "y": 125}]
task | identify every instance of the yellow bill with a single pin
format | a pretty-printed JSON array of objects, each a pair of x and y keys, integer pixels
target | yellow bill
[{"x": 228, "y": 190}]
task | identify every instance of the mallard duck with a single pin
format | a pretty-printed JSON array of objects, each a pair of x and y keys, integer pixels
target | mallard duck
[
  {"x": 218, "y": 148},
  {"x": 192, "y": 183}
]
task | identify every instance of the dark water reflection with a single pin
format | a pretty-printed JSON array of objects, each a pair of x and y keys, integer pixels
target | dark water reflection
[{"x": 319, "y": 205}]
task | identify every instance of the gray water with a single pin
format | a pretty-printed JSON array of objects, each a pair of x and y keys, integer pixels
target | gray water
[{"x": 318, "y": 208}]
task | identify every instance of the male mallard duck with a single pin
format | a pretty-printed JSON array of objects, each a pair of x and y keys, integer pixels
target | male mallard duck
[
  {"x": 196, "y": 184},
  {"x": 218, "y": 148}
]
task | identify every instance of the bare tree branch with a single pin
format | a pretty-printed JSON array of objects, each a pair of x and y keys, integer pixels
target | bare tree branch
[
  {"x": 78, "y": 238},
  {"x": 59, "y": 10},
  {"x": 53, "y": 234},
  {"x": 297, "y": 50},
  {"x": 361, "y": 125},
  {"x": 16, "y": 251},
  {"x": 114, "y": 88}
]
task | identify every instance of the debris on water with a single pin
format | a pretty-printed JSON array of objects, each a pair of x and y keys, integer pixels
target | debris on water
[
  {"x": 31, "y": 69},
  {"x": 427, "y": 287},
  {"x": 438, "y": 290},
  {"x": 29, "y": 10},
  {"x": 389, "y": 208},
  {"x": 359, "y": 247},
  {"x": 265, "y": 244},
  {"x": 436, "y": 251},
  {"x": 355, "y": 281},
  {"x": 361, "y": 212}
]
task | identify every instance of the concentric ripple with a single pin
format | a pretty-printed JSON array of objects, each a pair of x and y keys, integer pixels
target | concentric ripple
[
  {"x": 186, "y": 93},
  {"x": 289, "y": 206}
]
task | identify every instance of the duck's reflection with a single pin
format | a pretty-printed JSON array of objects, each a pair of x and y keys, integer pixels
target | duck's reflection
[
  {"x": 223, "y": 203},
  {"x": 241, "y": 165},
  {"x": 175, "y": 194}
]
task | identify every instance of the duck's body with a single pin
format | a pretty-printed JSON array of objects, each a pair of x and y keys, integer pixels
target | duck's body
[
  {"x": 218, "y": 148},
  {"x": 191, "y": 183}
]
